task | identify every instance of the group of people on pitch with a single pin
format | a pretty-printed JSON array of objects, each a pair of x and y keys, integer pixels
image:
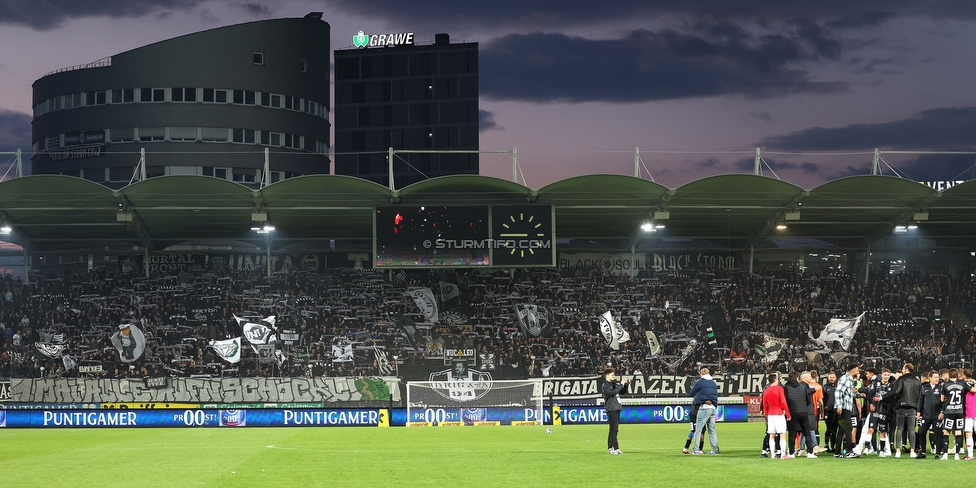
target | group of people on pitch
[{"x": 879, "y": 414}]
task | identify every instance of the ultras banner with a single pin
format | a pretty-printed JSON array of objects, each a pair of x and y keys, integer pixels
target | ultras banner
[{"x": 587, "y": 390}]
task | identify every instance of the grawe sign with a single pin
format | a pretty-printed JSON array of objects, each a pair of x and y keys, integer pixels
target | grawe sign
[{"x": 364, "y": 40}]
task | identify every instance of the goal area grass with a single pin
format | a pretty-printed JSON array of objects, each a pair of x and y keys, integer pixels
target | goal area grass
[{"x": 429, "y": 456}]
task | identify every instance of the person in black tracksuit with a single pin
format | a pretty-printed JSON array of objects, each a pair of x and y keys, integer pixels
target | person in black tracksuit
[
  {"x": 611, "y": 401},
  {"x": 929, "y": 408},
  {"x": 830, "y": 416},
  {"x": 799, "y": 398}
]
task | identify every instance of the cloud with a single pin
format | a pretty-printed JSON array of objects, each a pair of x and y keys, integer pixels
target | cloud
[
  {"x": 722, "y": 59},
  {"x": 486, "y": 121},
  {"x": 935, "y": 129},
  {"x": 548, "y": 15},
  {"x": 761, "y": 115},
  {"x": 255, "y": 9},
  {"x": 48, "y": 14}
]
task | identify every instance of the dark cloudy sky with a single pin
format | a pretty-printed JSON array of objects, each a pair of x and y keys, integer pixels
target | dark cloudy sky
[{"x": 577, "y": 85}]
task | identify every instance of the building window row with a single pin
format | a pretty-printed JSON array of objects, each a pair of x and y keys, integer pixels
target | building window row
[
  {"x": 123, "y": 174},
  {"x": 181, "y": 95},
  {"x": 183, "y": 134}
]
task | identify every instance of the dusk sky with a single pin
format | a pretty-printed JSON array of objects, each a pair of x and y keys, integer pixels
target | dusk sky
[{"x": 576, "y": 85}]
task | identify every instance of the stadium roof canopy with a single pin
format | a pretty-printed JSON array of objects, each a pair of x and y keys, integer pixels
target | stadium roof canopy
[{"x": 54, "y": 213}]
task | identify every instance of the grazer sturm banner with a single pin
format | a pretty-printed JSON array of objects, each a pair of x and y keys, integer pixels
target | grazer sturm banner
[
  {"x": 586, "y": 390},
  {"x": 609, "y": 263}
]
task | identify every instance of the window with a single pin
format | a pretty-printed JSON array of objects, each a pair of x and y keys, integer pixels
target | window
[
  {"x": 123, "y": 95},
  {"x": 221, "y": 96},
  {"x": 126, "y": 134},
  {"x": 150, "y": 134},
  {"x": 222, "y": 173},
  {"x": 266, "y": 99},
  {"x": 277, "y": 176},
  {"x": 208, "y": 95},
  {"x": 276, "y": 138},
  {"x": 182, "y": 133},
  {"x": 259, "y": 58},
  {"x": 276, "y": 101},
  {"x": 248, "y": 97},
  {"x": 245, "y": 136},
  {"x": 159, "y": 94},
  {"x": 244, "y": 177},
  {"x": 302, "y": 65},
  {"x": 289, "y": 102},
  {"x": 211, "y": 134},
  {"x": 184, "y": 94},
  {"x": 145, "y": 94}
]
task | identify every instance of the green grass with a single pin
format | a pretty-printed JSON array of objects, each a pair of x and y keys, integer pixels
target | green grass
[{"x": 429, "y": 456}]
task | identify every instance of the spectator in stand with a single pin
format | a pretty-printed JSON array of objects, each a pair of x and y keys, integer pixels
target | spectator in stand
[{"x": 777, "y": 414}]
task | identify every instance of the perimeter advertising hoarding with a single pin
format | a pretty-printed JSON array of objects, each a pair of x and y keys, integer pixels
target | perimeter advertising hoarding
[
  {"x": 369, "y": 417},
  {"x": 88, "y": 418},
  {"x": 464, "y": 236}
]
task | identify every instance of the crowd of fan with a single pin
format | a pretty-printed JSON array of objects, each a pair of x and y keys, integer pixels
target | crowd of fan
[{"x": 346, "y": 310}]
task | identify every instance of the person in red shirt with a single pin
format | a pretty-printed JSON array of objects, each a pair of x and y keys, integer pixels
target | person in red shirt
[{"x": 777, "y": 413}]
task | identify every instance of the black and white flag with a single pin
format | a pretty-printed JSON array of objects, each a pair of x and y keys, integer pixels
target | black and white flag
[
  {"x": 448, "y": 291},
  {"x": 839, "y": 330},
  {"x": 534, "y": 320},
  {"x": 130, "y": 342},
  {"x": 341, "y": 353},
  {"x": 612, "y": 331},
  {"x": 653, "y": 344},
  {"x": 383, "y": 362},
  {"x": 424, "y": 299},
  {"x": 50, "y": 350},
  {"x": 257, "y": 332}
]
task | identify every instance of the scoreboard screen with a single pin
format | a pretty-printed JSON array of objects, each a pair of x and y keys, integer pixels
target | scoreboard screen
[
  {"x": 464, "y": 236},
  {"x": 425, "y": 236}
]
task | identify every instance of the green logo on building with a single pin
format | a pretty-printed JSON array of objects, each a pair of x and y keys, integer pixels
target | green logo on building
[{"x": 360, "y": 40}]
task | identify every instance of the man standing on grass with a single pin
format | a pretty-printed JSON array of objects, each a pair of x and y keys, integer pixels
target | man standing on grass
[
  {"x": 799, "y": 399},
  {"x": 929, "y": 406},
  {"x": 953, "y": 408},
  {"x": 705, "y": 393},
  {"x": 846, "y": 414},
  {"x": 611, "y": 402},
  {"x": 829, "y": 414},
  {"x": 905, "y": 397},
  {"x": 774, "y": 406}
]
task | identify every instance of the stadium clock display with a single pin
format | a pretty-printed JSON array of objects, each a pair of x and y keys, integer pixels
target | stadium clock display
[{"x": 522, "y": 235}]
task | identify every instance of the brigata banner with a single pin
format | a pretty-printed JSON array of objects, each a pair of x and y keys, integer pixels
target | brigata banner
[
  {"x": 369, "y": 417},
  {"x": 586, "y": 390}
]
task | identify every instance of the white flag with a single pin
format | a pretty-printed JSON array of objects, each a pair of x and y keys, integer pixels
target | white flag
[
  {"x": 448, "y": 291},
  {"x": 653, "y": 343},
  {"x": 612, "y": 331},
  {"x": 839, "y": 330},
  {"x": 69, "y": 362},
  {"x": 341, "y": 353},
  {"x": 424, "y": 298},
  {"x": 229, "y": 350}
]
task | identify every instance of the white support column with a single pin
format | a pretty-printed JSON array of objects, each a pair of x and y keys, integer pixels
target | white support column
[
  {"x": 875, "y": 166},
  {"x": 266, "y": 176},
  {"x": 867, "y": 266},
  {"x": 636, "y": 162},
  {"x": 20, "y": 165},
  {"x": 389, "y": 158},
  {"x": 515, "y": 165},
  {"x": 756, "y": 169}
]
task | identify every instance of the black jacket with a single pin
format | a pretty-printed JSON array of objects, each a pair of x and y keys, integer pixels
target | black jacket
[
  {"x": 906, "y": 392},
  {"x": 799, "y": 398},
  {"x": 610, "y": 391}
]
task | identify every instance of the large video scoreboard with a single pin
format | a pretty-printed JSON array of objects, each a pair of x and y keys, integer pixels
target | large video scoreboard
[{"x": 464, "y": 236}]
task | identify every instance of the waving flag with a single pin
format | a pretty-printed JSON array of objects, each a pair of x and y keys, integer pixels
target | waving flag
[
  {"x": 257, "y": 332},
  {"x": 839, "y": 330},
  {"x": 130, "y": 342},
  {"x": 424, "y": 298},
  {"x": 229, "y": 350},
  {"x": 534, "y": 320},
  {"x": 653, "y": 344},
  {"x": 612, "y": 331}
]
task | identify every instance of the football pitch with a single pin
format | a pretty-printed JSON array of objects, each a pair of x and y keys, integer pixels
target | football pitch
[{"x": 428, "y": 456}]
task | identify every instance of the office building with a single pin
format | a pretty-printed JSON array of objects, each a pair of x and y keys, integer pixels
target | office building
[{"x": 393, "y": 92}]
